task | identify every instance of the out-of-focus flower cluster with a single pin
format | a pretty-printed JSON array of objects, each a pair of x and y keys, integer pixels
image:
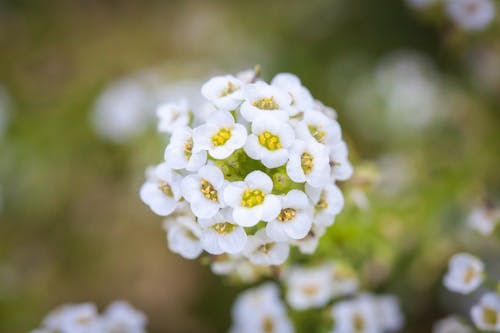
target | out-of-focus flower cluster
[
  {"x": 469, "y": 15},
  {"x": 119, "y": 317},
  {"x": 249, "y": 172}
]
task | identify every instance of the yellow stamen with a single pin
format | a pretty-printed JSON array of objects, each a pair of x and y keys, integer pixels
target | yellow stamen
[
  {"x": 165, "y": 188},
  {"x": 287, "y": 214},
  {"x": 209, "y": 191},
  {"x": 223, "y": 228},
  {"x": 306, "y": 161},
  {"x": 188, "y": 148},
  {"x": 269, "y": 141},
  {"x": 266, "y": 103},
  {"x": 221, "y": 137},
  {"x": 252, "y": 198},
  {"x": 317, "y": 133}
]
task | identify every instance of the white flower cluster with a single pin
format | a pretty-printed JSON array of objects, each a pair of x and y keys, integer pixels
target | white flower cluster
[
  {"x": 466, "y": 273},
  {"x": 261, "y": 310},
  {"x": 119, "y": 317},
  {"x": 250, "y": 172}
]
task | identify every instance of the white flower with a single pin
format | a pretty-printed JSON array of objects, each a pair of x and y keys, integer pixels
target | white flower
[
  {"x": 486, "y": 314},
  {"x": 270, "y": 141},
  {"x": 264, "y": 99},
  {"x": 236, "y": 265},
  {"x": 261, "y": 250},
  {"x": 222, "y": 235},
  {"x": 203, "y": 190},
  {"x": 220, "y": 135},
  {"x": 465, "y": 273},
  {"x": 183, "y": 235},
  {"x": 341, "y": 167},
  {"x": 251, "y": 199},
  {"x": 309, "y": 162},
  {"x": 259, "y": 310},
  {"x": 308, "y": 244},
  {"x": 356, "y": 315},
  {"x": 74, "y": 318},
  {"x": 318, "y": 127},
  {"x": 451, "y": 325},
  {"x": 161, "y": 191},
  {"x": 301, "y": 97},
  {"x": 484, "y": 219},
  {"x": 223, "y": 91},
  {"x": 121, "y": 317},
  {"x": 179, "y": 152},
  {"x": 344, "y": 280},
  {"x": 308, "y": 287},
  {"x": 328, "y": 202},
  {"x": 388, "y": 312},
  {"x": 294, "y": 220},
  {"x": 172, "y": 115},
  {"x": 471, "y": 15},
  {"x": 326, "y": 110}
]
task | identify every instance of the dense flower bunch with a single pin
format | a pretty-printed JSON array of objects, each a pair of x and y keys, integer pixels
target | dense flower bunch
[
  {"x": 249, "y": 171},
  {"x": 119, "y": 317}
]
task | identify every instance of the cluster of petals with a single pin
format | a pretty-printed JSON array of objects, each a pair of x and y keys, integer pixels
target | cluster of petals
[{"x": 249, "y": 173}]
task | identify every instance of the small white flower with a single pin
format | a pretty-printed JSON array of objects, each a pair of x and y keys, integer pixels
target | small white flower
[
  {"x": 318, "y": 127},
  {"x": 183, "y": 235},
  {"x": 248, "y": 75},
  {"x": 309, "y": 162},
  {"x": 465, "y": 273},
  {"x": 223, "y": 91},
  {"x": 344, "y": 279},
  {"x": 301, "y": 97},
  {"x": 270, "y": 141},
  {"x": 121, "y": 317},
  {"x": 179, "y": 152},
  {"x": 260, "y": 310},
  {"x": 308, "y": 287},
  {"x": 220, "y": 135},
  {"x": 328, "y": 202},
  {"x": 172, "y": 115},
  {"x": 161, "y": 192},
  {"x": 326, "y": 110},
  {"x": 484, "y": 220},
  {"x": 356, "y": 315},
  {"x": 486, "y": 314},
  {"x": 341, "y": 167},
  {"x": 74, "y": 318},
  {"x": 203, "y": 190},
  {"x": 251, "y": 199},
  {"x": 389, "y": 313},
  {"x": 294, "y": 220},
  {"x": 451, "y": 325},
  {"x": 308, "y": 244},
  {"x": 264, "y": 99},
  {"x": 222, "y": 235},
  {"x": 471, "y": 15},
  {"x": 261, "y": 250}
]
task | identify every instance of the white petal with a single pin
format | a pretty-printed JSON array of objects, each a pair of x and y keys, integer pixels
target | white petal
[
  {"x": 271, "y": 207},
  {"x": 233, "y": 242},
  {"x": 259, "y": 180},
  {"x": 232, "y": 193},
  {"x": 252, "y": 147},
  {"x": 276, "y": 232},
  {"x": 247, "y": 217},
  {"x": 275, "y": 159},
  {"x": 299, "y": 227},
  {"x": 205, "y": 208},
  {"x": 210, "y": 242}
]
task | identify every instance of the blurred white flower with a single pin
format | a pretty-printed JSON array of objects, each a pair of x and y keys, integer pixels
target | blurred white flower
[
  {"x": 162, "y": 190},
  {"x": 465, "y": 273},
  {"x": 341, "y": 167},
  {"x": 237, "y": 266},
  {"x": 222, "y": 235},
  {"x": 486, "y": 314},
  {"x": 484, "y": 219},
  {"x": 251, "y": 200},
  {"x": 309, "y": 243},
  {"x": 308, "y": 287},
  {"x": 471, "y": 15},
  {"x": 74, "y": 318},
  {"x": 294, "y": 220},
  {"x": 262, "y": 250},
  {"x": 328, "y": 202},
  {"x": 260, "y": 310},
  {"x": 451, "y": 325},
  {"x": 203, "y": 191},
  {"x": 172, "y": 115},
  {"x": 389, "y": 313},
  {"x": 223, "y": 91},
  {"x": 121, "y": 317},
  {"x": 221, "y": 136},
  {"x": 180, "y": 152},
  {"x": 270, "y": 141},
  {"x": 183, "y": 235}
]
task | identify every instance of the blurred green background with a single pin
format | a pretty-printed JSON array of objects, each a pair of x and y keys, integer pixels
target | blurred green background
[{"x": 73, "y": 229}]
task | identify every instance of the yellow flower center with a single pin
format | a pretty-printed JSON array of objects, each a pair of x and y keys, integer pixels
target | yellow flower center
[
  {"x": 306, "y": 161},
  {"x": 317, "y": 133},
  {"x": 269, "y": 140},
  {"x": 165, "y": 188},
  {"x": 266, "y": 103},
  {"x": 267, "y": 325},
  {"x": 287, "y": 214},
  {"x": 229, "y": 89},
  {"x": 208, "y": 190},
  {"x": 470, "y": 274},
  {"x": 265, "y": 248},
  {"x": 358, "y": 322},
  {"x": 223, "y": 228},
  {"x": 490, "y": 316},
  {"x": 220, "y": 138},
  {"x": 252, "y": 198},
  {"x": 322, "y": 203},
  {"x": 189, "y": 234},
  {"x": 310, "y": 290},
  {"x": 188, "y": 148}
]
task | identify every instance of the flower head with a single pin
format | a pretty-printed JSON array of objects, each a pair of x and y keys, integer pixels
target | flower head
[
  {"x": 179, "y": 151},
  {"x": 222, "y": 235},
  {"x": 161, "y": 192},
  {"x": 261, "y": 98},
  {"x": 172, "y": 115},
  {"x": 486, "y": 314},
  {"x": 262, "y": 250},
  {"x": 183, "y": 235},
  {"x": 471, "y": 14},
  {"x": 465, "y": 273},
  {"x": 223, "y": 91}
]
